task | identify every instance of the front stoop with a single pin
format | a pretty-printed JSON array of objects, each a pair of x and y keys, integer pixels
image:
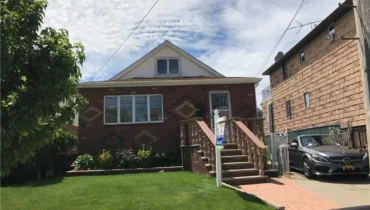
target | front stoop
[{"x": 236, "y": 169}]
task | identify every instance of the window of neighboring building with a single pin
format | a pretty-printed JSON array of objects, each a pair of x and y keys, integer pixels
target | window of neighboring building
[
  {"x": 133, "y": 109},
  {"x": 302, "y": 56},
  {"x": 168, "y": 66},
  {"x": 306, "y": 99},
  {"x": 331, "y": 29},
  {"x": 285, "y": 71},
  {"x": 270, "y": 118},
  {"x": 288, "y": 108}
]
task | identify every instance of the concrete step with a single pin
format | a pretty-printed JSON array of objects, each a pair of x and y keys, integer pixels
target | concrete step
[
  {"x": 234, "y": 158},
  {"x": 237, "y": 165},
  {"x": 230, "y": 146},
  {"x": 228, "y": 152},
  {"x": 244, "y": 180},
  {"x": 209, "y": 166},
  {"x": 205, "y": 159},
  {"x": 237, "y": 172}
]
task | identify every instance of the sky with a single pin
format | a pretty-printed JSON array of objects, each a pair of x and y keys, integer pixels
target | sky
[{"x": 231, "y": 36}]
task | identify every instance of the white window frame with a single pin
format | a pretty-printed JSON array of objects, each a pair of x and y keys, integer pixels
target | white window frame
[
  {"x": 168, "y": 67},
  {"x": 210, "y": 103},
  {"x": 133, "y": 110}
]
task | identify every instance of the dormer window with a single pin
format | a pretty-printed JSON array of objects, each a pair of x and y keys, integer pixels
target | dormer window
[{"x": 168, "y": 66}]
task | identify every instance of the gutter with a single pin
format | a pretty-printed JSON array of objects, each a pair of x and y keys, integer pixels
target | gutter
[{"x": 169, "y": 82}]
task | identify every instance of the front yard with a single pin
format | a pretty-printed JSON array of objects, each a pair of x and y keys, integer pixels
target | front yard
[{"x": 168, "y": 190}]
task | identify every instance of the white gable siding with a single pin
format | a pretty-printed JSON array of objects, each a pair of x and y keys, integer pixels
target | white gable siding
[{"x": 148, "y": 67}]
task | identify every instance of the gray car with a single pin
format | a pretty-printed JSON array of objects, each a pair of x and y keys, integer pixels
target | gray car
[{"x": 322, "y": 155}]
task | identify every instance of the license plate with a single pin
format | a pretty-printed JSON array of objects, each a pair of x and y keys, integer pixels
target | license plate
[{"x": 348, "y": 167}]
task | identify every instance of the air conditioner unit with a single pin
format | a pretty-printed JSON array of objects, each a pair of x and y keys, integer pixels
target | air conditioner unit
[{"x": 331, "y": 37}]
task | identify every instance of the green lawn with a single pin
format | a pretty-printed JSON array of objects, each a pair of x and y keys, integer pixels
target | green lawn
[{"x": 168, "y": 190}]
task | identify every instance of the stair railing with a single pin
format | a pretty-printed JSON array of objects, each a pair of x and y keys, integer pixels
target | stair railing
[
  {"x": 195, "y": 132},
  {"x": 238, "y": 132}
]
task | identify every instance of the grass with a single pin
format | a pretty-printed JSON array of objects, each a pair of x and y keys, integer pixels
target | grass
[{"x": 168, "y": 190}]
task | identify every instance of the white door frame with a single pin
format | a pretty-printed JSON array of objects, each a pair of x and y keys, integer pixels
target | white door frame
[{"x": 210, "y": 103}]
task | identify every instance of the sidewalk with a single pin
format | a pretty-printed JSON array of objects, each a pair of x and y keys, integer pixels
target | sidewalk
[{"x": 284, "y": 192}]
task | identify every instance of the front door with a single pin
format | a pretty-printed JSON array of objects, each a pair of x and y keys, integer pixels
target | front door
[{"x": 220, "y": 100}]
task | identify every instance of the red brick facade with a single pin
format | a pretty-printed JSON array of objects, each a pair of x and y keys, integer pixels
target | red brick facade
[{"x": 179, "y": 102}]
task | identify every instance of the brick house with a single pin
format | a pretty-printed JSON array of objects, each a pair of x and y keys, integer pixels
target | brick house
[
  {"x": 317, "y": 83},
  {"x": 144, "y": 103}
]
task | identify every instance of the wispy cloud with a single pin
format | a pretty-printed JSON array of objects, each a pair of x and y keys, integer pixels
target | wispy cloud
[{"x": 233, "y": 37}]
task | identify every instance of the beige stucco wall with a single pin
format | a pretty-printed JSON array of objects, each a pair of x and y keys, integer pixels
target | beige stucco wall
[{"x": 331, "y": 74}]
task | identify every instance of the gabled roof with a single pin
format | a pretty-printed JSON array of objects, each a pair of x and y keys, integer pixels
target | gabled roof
[
  {"x": 335, "y": 15},
  {"x": 157, "y": 49}
]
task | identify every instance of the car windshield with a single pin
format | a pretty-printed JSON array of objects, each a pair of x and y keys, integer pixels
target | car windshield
[{"x": 314, "y": 141}]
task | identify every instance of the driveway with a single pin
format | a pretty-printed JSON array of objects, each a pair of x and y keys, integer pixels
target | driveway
[{"x": 341, "y": 190}]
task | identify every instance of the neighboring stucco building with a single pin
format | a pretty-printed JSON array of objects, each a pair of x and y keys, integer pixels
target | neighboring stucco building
[
  {"x": 318, "y": 83},
  {"x": 144, "y": 103}
]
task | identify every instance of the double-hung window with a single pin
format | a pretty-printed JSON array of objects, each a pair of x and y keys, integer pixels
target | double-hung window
[
  {"x": 284, "y": 69},
  {"x": 306, "y": 97},
  {"x": 128, "y": 109},
  {"x": 168, "y": 66}
]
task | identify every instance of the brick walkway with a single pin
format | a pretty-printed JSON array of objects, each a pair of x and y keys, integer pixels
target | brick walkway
[{"x": 283, "y": 192}]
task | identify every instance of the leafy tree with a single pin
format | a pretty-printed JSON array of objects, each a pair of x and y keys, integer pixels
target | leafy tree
[
  {"x": 39, "y": 69},
  {"x": 61, "y": 142}
]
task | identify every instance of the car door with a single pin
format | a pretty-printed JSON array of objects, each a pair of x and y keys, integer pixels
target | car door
[{"x": 293, "y": 154}]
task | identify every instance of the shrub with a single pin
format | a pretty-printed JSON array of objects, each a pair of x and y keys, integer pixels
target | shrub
[
  {"x": 144, "y": 157},
  {"x": 83, "y": 162},
  {"x": 105, "y": 160},
  {"x": 167, "y": 158},
  {"x": 124, "y": 158}
]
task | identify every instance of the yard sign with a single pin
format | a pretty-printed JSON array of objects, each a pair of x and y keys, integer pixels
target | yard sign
[{"x": 220, "y": 135}]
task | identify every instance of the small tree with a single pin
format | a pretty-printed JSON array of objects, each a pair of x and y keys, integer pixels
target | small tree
[{"x": 39, "y": 69}]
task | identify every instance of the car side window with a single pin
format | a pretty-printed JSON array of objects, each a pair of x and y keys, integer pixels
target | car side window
[{"x": 309, "y": 141}]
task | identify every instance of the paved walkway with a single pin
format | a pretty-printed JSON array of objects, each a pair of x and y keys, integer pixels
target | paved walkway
[
  {"x": 284, "y": 192},
  {"x": 344, "y": 191}
]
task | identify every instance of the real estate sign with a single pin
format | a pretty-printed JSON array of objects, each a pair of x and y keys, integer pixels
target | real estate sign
[{"x": 220, "y": 135}]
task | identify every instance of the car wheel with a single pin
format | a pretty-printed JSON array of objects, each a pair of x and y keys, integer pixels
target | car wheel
[{"x": 307, "y": 170}]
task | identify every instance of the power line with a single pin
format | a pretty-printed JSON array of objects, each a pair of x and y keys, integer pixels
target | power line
[
  {"x": 304, "y": 24},
  {"x": 125, "y": 40},
  {"x": 264, "y": 62}
]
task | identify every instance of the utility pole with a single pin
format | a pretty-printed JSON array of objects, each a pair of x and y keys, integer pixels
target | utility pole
[{"x": 362, "y": 17}]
